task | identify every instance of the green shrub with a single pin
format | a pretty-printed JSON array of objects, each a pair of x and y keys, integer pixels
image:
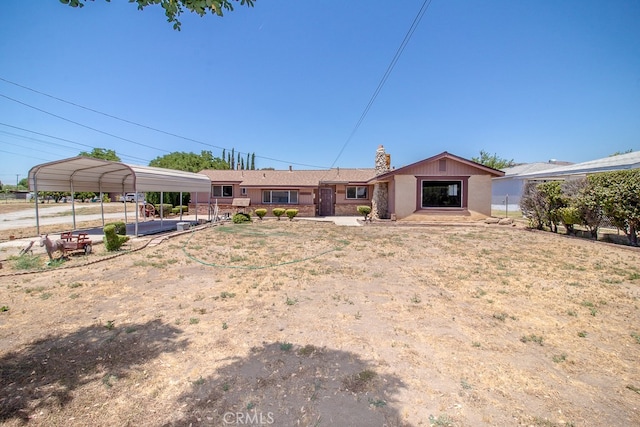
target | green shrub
[
  {"x": 121, "y": 227},
  {"x": 175, "y": 211},
  {"x": 28, "y": 262},
  {"x": 291, "y": 213},
  {"x": 278, "y": 212},
  {"x": 240, "y": 218},
  {"x": 569, "y": 216},
  {"x": 112, "y": 240},
  {"x": 261, "y": 212},
  {"x": 164, "y": 209},
  {"x": 364, "y": 211},
  {"x": 184, "y": 208}
]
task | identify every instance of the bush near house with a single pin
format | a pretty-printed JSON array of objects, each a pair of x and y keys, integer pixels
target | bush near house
[
  {"x": 364, "y": 211},
  {"x": 291, "y": 213},
  {"x": 240, "y": 218},
  {"x": 615, "y": 195},
  {"x": 164, "y": 209},
  {"x": 278, "y": 212},
  {"x": 260, "y": 213}
]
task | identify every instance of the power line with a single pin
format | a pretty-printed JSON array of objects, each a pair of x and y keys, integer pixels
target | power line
[
  {"x": 386, "y": 75},
  {"x": 148, "y": 127},
  {"x": 81, "y": 125},
  {"x": 62, "y": 139}
]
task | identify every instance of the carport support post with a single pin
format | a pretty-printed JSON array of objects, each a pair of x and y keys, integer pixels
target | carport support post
[
  {"x": 35, "y": 192},
  {"x": 73, "y": 206},
  {"x": 181, "y": 206},
  {"x": 161, "y": 207},
  {"x": 101, "y": 204}
]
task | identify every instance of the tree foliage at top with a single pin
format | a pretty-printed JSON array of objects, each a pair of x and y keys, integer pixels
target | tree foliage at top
[
  {"x": 101, "y": 153},
  {"x": 189, "y": 162},
  {"x": 174, "y": 8},
  {"x": 493, "y": 160}
]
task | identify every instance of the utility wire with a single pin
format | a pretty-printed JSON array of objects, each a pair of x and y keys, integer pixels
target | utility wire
[
  {"x": 386, "y": 75},
  {"x": 81, "y": 125},
  {"x": 61, "y": 139},
  {"x": 149, "y": 127}
]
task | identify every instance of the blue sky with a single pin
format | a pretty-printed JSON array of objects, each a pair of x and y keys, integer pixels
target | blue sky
[{"x": 289, "y": 80}]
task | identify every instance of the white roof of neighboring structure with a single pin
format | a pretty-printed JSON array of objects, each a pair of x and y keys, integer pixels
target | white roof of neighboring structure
[
  {"x": 527, "y": 168},
  {"x": 618, "y": 162},
  {"x": 89, "y": 174}
]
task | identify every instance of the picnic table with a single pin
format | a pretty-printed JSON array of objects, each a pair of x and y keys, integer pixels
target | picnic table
[{"x": 76, "y": 242}]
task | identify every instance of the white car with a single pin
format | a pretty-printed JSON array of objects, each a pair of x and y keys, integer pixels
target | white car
[{"x": 131, "y": 197}]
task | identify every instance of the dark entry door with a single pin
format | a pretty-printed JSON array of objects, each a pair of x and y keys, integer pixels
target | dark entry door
[{"x": 325, "y": 207}]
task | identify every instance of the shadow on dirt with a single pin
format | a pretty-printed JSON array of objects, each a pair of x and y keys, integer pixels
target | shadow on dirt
[
  {"x": 45, "y": 372},
  {"x": 285, "y": 385}
]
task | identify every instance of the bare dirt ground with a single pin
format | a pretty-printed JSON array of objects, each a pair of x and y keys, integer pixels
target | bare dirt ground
[{"x": 310, "y": 324}]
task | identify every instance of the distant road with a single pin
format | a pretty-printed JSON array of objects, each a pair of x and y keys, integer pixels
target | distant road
[{"x": 51, "y": 215}]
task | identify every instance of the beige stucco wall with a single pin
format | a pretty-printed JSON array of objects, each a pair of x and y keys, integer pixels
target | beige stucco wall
[
  {"x": 405, "y": 195},
  {"x": 480, "y": 194}
]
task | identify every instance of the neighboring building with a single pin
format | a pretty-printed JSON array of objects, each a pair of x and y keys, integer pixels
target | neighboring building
[
  {"x": 512, "y": 184},
  {"x": 444, "y": 184},
  {"x": 441, "y": 184},
  {"x": 509, "y": 188}
]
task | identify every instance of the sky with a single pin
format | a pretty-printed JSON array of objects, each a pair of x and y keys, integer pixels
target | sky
[{"x": 314, "y": 84}]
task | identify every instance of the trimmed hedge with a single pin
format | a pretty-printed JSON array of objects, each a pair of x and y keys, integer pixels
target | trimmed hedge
[
  {"x": 240, "y": 218},
  {"x": 121, "y": 227},
  {"x": 112, "y": 240},
  {"x": 278, "y": 212},
  {"x": 163, "y": 209},
  {"x": 260, "y": 213},
  {"x": 364, "y": 211},
  {"x": 291, "y": 213}
]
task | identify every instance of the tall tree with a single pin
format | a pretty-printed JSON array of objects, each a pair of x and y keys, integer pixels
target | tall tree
[
  {"x": 493, "y": 161},
  {"x": 101, "y": 153},
  {"x": 174, "y": 8},
  {"x": 253, "y": 161},
  {"x": 189, "y": 162}
]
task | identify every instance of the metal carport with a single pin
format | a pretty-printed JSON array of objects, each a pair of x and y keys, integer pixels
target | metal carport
[{"x": 86, "y": 174}]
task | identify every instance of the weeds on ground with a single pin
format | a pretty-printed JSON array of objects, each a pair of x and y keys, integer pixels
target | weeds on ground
[
  {"x": 532, "y": 338},
  {"x": 360, "y": 381}
]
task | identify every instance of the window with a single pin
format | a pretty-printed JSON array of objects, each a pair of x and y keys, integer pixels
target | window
[
  {"x": 441, "y": 194},
  {"x": 222, "y": 190},
  {"x": 356, "y": 192},
  {"x": 243, "y": 191},
  {"x": 286, "y": 197}
]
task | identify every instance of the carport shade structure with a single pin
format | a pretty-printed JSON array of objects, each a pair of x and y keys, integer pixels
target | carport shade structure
[{"x": 86, "y": 174}]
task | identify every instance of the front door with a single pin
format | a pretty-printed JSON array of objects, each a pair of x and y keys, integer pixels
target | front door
[{"x": 325, "y": 205}]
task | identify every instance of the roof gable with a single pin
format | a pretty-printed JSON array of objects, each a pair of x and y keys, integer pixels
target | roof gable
[{"x": 464, "y": 166}]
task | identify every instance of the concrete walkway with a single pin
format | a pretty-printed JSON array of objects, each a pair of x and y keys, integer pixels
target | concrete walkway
[{"x": 346, "y": 221}]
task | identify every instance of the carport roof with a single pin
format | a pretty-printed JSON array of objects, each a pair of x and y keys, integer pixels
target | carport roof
[{"x": 89, "y": 174}]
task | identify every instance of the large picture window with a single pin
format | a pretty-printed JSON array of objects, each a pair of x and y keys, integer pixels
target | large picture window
[
  {"x": 357, "y": 193},
  {"x": 441, "y": 194},
  {"x": 222, "y": 190},
  {"x": 285, "y": 197}
]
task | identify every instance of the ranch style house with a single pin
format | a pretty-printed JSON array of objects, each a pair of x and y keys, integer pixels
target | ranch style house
[{"x": 444, "y": 184}]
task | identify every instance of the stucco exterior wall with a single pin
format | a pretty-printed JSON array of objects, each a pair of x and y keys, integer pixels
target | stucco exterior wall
[
  {"x": 479, "y": 196},
  {"x": 404, "y": 195}
]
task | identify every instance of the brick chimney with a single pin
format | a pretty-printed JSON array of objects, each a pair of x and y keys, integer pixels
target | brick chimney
[{"x": 380, "y": 197}]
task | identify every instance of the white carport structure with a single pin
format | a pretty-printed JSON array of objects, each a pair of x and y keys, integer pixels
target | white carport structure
[{"x": 86, "y": 174}]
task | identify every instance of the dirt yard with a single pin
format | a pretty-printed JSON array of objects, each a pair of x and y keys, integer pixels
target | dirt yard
[{"x": 310, "y": 324}]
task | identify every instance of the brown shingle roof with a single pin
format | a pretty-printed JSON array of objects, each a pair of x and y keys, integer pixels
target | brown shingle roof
[{"x": 289, "y": 178}]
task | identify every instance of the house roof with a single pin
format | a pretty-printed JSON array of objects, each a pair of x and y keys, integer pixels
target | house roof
[
  {"x": 89, "y": 174},
  {"x": 606, "y": 164},
  {"x": 443, "y": 155},
  {"x": 289, "y": 178}
]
